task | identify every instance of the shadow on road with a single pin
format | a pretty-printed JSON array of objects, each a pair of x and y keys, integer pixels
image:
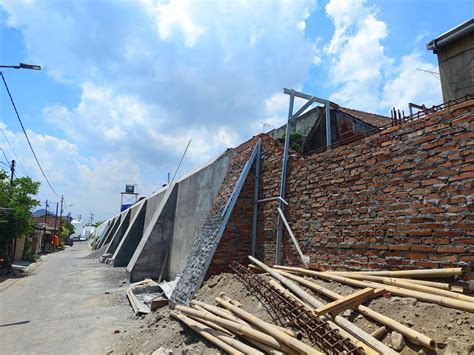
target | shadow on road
[{"x": 16, "y": 323}]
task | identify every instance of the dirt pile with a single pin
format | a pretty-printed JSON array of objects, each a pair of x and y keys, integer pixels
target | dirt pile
[{"x": 451, "y": 329}]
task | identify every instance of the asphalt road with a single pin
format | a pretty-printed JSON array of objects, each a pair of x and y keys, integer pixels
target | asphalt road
[{"x": 69, "y": 304}]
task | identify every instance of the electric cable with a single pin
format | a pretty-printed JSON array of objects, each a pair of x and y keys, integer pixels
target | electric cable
[
  {"x": 14, "y": 153},
  {"x": 26, "y": 135}
]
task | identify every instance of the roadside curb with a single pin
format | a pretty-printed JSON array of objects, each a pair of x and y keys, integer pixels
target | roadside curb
[{"x": 27, "y": 272}]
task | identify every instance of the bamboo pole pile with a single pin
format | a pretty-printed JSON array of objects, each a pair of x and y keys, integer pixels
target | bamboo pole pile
[
  {"x": 236, "y": 331},
  {"x": 406, "y": 283},
  {"x": 400, "y": 283}
]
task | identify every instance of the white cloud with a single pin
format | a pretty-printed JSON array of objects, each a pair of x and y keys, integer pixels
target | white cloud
[
  {"x": 92, "y": 185},
  {"x": 412, "y": 85},
  {"x": 364, "y": 75},
  {"x": 176, "y": 14}
]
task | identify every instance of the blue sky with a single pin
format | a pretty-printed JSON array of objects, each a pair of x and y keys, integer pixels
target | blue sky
[{"x": 125, "y": 84}]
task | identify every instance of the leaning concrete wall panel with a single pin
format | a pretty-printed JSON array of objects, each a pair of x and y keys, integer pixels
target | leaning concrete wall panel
[
  {"x": 195, "y": 195},
  {"x": 131, "y": 238},
  {"x": 153, "y": 202},
  {"x": 152, "y": 249},
  {"x": 119, "y": 233}
]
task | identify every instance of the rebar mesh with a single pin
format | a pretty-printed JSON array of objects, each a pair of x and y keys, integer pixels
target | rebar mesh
[{"x": 314, "y": 327}]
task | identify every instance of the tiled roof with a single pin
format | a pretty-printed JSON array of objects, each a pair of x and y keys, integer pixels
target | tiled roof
[{"x": 369, "y": 118}]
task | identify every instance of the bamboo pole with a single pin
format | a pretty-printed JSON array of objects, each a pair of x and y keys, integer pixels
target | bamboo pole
[
  {"x": 266, "y": 327},
  {"x": 379, "y": 332},
  {"x": 419, "y": 273},
  {"x": 264, "y": 347},
  {"x": 422, "y": 296},
  {"x": 408, "y": 283},
  {"x": 224, "y": 296},
  {"x": 429, "y": 289},
  {"x": 313, "y": 302},
  {"x": 210, "y": 324},
  {"x": 283, "y": 329},
  {"x": 224, "y": 337},
  {"x": 236, "y": 327},
  {"x": 413, "y": 335},
  {"x": 206, "y": 333},
  {"x": 221, "y": 312},
  {"x": 440, "y": 285}
]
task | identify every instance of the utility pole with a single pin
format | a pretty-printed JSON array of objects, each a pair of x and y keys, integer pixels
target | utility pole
[
  {"x": 45, "y": 220},
  {"x": 12, "y": 169},
  {"x": 56, "y": 218},
  {"x": 61, "y": 214}
]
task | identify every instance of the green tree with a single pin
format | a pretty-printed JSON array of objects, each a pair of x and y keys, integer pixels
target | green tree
[
  {"x": 16, "y": 202},
  {"x": 296, "y": 140}
]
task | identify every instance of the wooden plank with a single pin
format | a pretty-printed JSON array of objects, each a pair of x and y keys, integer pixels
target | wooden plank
[
  {"x": 349, "y": 301},
  {"x": 158, "y": 302},
  {"x": 379, "y": 333},
  {"x": 137, "y": 305}
]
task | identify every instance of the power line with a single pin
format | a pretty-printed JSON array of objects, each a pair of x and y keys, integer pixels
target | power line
[
  {"x": 13, "y": 150},
  {"x": 6, "y": 159},
  {"x": 26, "y": 135}
]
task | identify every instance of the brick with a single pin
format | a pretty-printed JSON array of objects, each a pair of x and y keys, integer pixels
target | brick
[{"x": 450, "y": 249}]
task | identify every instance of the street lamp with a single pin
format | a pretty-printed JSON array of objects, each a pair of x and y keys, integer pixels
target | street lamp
[{"x": 22, "y": 66}]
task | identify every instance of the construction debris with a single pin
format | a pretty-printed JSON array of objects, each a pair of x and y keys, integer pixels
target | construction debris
[
  {"x": 236, "y": 330},
  {"x": 424, "y": 327},
  {"x": 148, "y": 295}
]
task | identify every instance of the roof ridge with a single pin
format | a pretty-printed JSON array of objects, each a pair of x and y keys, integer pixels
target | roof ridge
[{"x": 370, "y": 113}]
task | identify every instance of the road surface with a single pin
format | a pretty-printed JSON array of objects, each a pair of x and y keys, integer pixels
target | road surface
[{"x": 69, "y": 304}]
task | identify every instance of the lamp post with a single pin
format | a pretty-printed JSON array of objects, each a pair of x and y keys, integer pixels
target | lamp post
[{"x": 22, "y": 66}]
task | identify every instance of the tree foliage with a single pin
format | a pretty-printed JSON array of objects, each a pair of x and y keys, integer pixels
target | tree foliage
[
  {"x": 296, "y": 140},
  {"x": 16, "y": 202}
]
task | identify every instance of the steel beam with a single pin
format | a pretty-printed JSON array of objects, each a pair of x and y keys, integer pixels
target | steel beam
[
  {"x": 255, "y": 198},
  {"x": 281, "y": 205},
  {"x": 328, "y": 124}
]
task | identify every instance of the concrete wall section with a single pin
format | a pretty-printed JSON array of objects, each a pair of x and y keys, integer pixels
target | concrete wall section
[
  {"x": 111, "y": 231},
  {"x": 456, "y": 68},
  {"x": 119, "y": 233},
  {"x": 152, "y": 250},
  {"x": 195, "y": 195},
  {"x": 153, "y": 202},
  {"x": 131, "y": 237}
]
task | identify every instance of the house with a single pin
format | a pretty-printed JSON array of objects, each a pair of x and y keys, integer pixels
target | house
[
  {"x": 346, "y": 125},
  {"x": 455, "y": 52}
]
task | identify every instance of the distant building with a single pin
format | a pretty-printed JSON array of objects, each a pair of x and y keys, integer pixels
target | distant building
[
  {"x": 346, "y": 125},
  {"x": 455, "y": 51}
]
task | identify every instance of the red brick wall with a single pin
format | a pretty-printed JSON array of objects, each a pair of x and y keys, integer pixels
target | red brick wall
[
  {"x": 398, "y": 199},
  {"x": 235, "y": 242}
]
